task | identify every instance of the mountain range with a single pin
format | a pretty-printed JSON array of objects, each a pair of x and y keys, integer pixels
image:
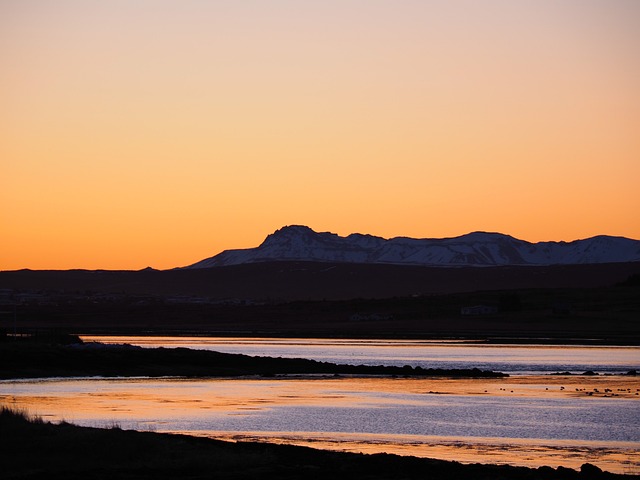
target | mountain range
[{"x": 301, "y": 243}]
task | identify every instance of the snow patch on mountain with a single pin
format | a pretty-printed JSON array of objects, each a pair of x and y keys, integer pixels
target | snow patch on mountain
[{"x": 301, "y": 243}]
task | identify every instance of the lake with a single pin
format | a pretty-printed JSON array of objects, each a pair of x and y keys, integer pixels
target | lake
[
  {"x": 511, "y": 359},
  {"x": 526, "y": 419}
]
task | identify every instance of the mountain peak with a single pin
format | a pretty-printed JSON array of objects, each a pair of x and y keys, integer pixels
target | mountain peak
[
  {"x": 483, "y": 236},
  {"x": 294, "y": 230},
  {"x": 299, "y": 242},
  {"x": 287, "y": 234}
]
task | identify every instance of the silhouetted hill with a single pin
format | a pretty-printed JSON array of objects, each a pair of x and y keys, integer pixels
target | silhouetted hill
[
  {"x": 570, "y": 303},
  {"x": 286, "y": 281}
]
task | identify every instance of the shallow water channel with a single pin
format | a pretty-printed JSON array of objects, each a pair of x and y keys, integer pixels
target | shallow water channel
[
  {"x": 526, "y": 419},
  {"x": 511, "y": 359}
]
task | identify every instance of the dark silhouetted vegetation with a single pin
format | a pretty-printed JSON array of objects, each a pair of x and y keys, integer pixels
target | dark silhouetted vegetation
[{"x": 631, "y": 281}]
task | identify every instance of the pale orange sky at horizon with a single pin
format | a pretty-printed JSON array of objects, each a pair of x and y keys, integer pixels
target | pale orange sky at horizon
[{"x": 158, "y": 133}]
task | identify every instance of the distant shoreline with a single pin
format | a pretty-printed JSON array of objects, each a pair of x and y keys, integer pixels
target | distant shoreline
[{"x": 399, "y": 337}]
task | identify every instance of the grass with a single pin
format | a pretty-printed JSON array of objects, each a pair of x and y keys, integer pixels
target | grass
[{"x": 31, "y": 448}]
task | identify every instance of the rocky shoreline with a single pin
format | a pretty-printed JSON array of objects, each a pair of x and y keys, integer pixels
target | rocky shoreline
[{"x": 68, "y": 356}]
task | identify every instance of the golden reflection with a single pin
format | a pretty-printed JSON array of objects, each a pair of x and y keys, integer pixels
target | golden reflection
[
  {"x": 160, "y": 404},
  {"x": 157, "y": 396},
  {"x": 526, "y": 453}
]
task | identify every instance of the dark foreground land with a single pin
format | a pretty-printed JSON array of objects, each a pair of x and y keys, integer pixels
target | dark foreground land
[
  {"x": 67, "y": 356},
  {"x": 33, "y": 449}
]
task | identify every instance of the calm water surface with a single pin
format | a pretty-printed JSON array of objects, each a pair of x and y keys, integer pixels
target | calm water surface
[
  {"x": 511, "y": 359},
  {"x": 526, "y": 419}
]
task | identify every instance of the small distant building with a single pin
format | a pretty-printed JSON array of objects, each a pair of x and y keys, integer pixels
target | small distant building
[
  {"x": 365, "y": 317},
  {"x": 479, "y": 310}
]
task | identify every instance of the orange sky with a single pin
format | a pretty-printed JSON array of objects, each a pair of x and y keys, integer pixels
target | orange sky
[{"x": 159, "y": 133}]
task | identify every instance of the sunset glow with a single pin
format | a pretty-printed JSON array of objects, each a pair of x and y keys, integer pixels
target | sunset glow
[{"x": 158, "y": 133}]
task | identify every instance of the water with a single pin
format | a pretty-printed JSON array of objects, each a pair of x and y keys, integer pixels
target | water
[
  {"x": 521, "y": 420},
  {"x": 511, "y": 359},
  {"x": 527, "y": 419}
]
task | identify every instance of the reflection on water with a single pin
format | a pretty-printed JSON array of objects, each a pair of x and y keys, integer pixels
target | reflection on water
[
  {"x": 512, "y": 359},
  {"x": 523, "y": 420},
  {"x": 487, "y": 450}
]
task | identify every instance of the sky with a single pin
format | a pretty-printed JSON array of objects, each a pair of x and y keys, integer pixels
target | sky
[{"x": 139, "y": 133}]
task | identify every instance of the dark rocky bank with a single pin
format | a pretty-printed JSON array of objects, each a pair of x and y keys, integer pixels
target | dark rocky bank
[{"x": 67, "y": 356}]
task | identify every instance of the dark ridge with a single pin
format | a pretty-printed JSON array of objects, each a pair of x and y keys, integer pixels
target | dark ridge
[{"x": 287, "y": 281}]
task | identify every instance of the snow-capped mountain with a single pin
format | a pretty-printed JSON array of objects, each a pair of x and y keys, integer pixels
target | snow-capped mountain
[{"x": 478, "y": 248}]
